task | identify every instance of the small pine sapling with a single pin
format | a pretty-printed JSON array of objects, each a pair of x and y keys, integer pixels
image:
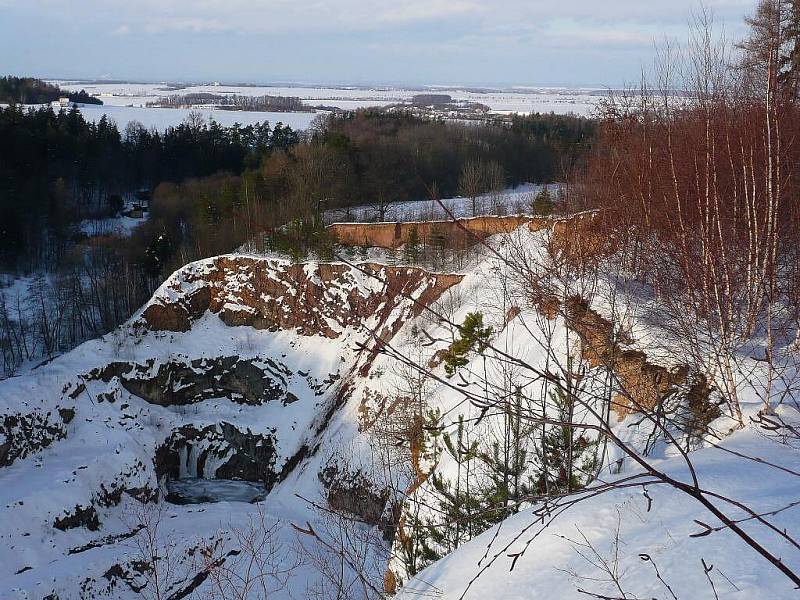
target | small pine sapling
[{"x": 474, "y": 337}]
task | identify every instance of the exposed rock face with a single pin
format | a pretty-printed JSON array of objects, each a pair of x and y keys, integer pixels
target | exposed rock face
[
  {"x": 218, "y": 451},
  {"x": 25, "y": 434},
  {"x": 109, "y": 493},
  {"x": 116, "y": 447},
  {"x": 644, "y": 383},
  {"x": 82, "y": 516},
  {"x": 356, "y": 494},
  {"x": 448, "y": 233},
  {"x": 177, "y": 382},
  {"x": 310, "y": 299},
  {"x": 575, "y": 237},
  {"x": 580, "y": 238}
]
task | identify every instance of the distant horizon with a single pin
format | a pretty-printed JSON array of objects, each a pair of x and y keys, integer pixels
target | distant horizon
[
  {"x": 502, "y": 86},
  {"x": 467, "y": 43}
]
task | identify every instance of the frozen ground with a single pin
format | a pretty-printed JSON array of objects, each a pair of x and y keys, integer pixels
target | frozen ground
[
  {"x": 112, "y": 441},
  {"x": 510, "y": 100},
  {"x": 161, "y": 118},
  {"x": 195, "y": 490},
  {"x": 651, "y": 537},
  {"x": 509, "y": 201}
]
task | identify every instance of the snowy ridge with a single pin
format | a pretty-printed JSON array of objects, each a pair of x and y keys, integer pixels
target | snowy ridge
[{"x": 265, "y": 404}]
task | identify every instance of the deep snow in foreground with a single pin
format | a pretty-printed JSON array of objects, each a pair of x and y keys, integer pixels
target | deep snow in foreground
[{"x": 557, "y": 563}]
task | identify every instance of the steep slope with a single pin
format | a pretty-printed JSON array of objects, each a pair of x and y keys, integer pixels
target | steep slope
[
  {"x": 239, "y": 368},
  {"x": 635, "y": 542},
  {"x": 646, "y": 542},
  {"x": 288, "y": 392}
]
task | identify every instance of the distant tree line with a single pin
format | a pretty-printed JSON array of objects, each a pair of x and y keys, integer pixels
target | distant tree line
[
  {"x": 431, "y": 99},
  {"x": 27, "y": 90},
  {"x": 57, "y": 168},
  {"x": 234, "y": 102},
  {"x": 387, "y": 157},
  {"x": 367, "y": 157}
]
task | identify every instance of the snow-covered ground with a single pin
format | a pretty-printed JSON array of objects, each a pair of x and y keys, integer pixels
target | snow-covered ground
[
  {"x": 102, "y": 439},
  {"x": 655, "y": 535},
  {"x": 121, "y": 226},
  {"x": 510, "y": 100},
  {"x": 161, "y": 118},
  {"x": 328, "y": 386},
  {"x": 507, "y": 202},
  {"x": 126, "y": 102}
]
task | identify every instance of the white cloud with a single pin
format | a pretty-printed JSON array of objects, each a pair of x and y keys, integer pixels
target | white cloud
[
  {"x": 274, "y": 16},
  {"x": 477, "y": 40}
]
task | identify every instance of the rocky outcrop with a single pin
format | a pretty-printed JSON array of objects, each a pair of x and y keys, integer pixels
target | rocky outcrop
[
  {"x": 82, "y": 516},
  {"x": 110, "y": 493},
  {"x": 580, "y": 238},
  {"x": 355, "y": 494},
  {"x": 219, "y": 451},
  {"x": 180, "y": 382},
  {"x": 575, "y": 237},
  {"x": 642, "y": 383},
  {"x": 25, "y": 434},
  {"x": 310, "y": 299}
]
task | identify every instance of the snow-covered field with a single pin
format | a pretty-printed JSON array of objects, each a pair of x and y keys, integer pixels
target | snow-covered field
[
  {"x": 161, "y": 118},
  {"x": 522, "y": 99},
  {"x": 120, "y": 100}
]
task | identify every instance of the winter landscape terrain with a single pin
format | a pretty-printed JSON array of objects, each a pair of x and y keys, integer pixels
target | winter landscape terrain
[
  {"x": 290, "y": 341},
  {"x": 125, "y": 102},
  {"x": 281, "y": 376}
]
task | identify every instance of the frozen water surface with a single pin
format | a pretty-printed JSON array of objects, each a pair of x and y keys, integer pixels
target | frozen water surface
[{"x": 195, "y": 490}]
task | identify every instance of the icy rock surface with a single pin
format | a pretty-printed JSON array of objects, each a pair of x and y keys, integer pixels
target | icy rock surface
[{"x": 194, "y": 490}]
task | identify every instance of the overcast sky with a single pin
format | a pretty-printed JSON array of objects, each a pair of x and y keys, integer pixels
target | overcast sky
[{"x": 528, "y": 42}]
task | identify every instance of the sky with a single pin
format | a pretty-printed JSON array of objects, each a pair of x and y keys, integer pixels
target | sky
[{"x": 452, "y": 42}]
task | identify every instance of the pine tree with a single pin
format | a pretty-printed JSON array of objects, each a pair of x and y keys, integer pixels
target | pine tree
[
  {"x": 456, "y": 504},
  {"x": 411, "y": 247},
  {"x": 507, "y": 464},
  {"x": 451, "y": 514},
  {"x": 566, "y": 462},
  {"x": 773, "y": 44},
  {"x": 543, "y": 203},
  {"x": 473, "y": 336}
]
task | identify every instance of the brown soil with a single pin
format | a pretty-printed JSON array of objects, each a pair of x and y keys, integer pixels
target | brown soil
[
  {"x": 448, "y": 233},
  {"x": 311, "y": 300}
]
